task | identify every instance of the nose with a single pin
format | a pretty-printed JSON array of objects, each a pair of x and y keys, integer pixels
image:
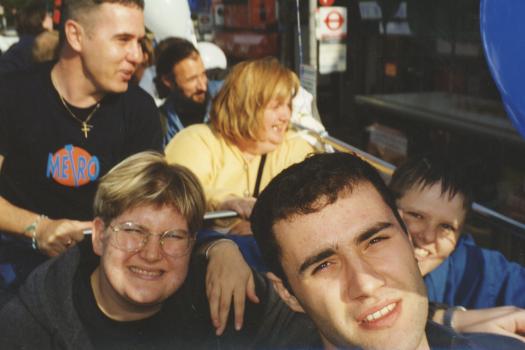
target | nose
[
  {"x": 426, "y": 235},
  {"x": 285, "y": 113},
  {"x": 151, "y": 251},
  {"x": 135, "y": 54},
  {"x": 202, "y": 82},
  {"x": 362, "y": 278}
]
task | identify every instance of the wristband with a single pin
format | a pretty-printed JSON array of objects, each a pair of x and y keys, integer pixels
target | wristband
[
  {"x": 32, "y": 229},
  {"x": 214, "y": 243},
  {"x": 449, "y": 313}
]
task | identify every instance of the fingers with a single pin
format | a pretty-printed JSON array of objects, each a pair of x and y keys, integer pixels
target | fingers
[
  {"x": 243, "y": 206},
  {"x": 56, "y": 236},
  {"x": 224, "y": 310},
  {"x": 214, "y": 295},
  {"x": 250, "y": 290},
  {"x": 238, "y": 305}
]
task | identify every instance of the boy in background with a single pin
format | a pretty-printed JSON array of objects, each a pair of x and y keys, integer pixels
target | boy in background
[{"x": 434, "y": 198}]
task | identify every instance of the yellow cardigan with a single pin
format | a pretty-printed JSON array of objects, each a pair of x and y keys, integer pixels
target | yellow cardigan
[{"x": 221, "y": 167}]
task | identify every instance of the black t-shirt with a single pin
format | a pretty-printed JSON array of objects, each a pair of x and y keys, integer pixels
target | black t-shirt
[
  {"x": 180, "y": 324},
  {"x": 49, "y": 166}
]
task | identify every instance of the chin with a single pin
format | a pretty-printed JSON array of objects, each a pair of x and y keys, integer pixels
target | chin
[{"x": 146, "y": 298}]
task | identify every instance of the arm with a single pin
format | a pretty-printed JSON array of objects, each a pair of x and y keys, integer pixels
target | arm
[
  {"x": 228, "y": 278},
  {"x": 504, "y": 320},
  {"x": 52, "y": 236}
]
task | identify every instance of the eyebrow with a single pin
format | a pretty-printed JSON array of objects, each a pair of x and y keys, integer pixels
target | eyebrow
[
  {"x": 326, "y": 253},
  {"x": 371, "y": 231},
  {"x": 315, "y": 259}
]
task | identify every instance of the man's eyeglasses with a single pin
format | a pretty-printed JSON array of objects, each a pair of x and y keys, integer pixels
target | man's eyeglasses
[{"x": 131, "y": 237}]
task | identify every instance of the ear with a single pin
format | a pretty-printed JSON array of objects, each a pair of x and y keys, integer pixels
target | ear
[
  {"x": 98, "y": 237},
  {"x": 74, "y": 34},
  {"x": 283, "y": 292},
  {"x": 168, "y": 81}
]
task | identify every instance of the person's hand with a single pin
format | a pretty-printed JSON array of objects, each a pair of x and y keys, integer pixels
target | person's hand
[
  {"x": 55, "y": 236},
  {"x": 504, "y": 320},
  {"x": 228, "y": 277},
  {"x": 242, "y": 228},
  {"x": 242, "y": 205}
]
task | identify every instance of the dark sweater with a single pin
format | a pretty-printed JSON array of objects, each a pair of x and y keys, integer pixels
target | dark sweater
[{"x": 51, "y": 312}]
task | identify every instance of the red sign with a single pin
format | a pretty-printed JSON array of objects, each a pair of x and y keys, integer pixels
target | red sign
[
  {"x": 334, "y": 20},
  {"x": 326, "y": 2}
]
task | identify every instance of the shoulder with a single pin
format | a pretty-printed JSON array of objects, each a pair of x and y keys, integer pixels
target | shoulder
[
  {"x": 194, "y": 137},
  {"x": 22, "y": 82},
  {"x": 295, "y": 144},
  {"x": 38, "y": 304},
  {"x": 137, "y": 97},
  {"x": 195, "y": 132},
  {"x": 214, "y": 86}
]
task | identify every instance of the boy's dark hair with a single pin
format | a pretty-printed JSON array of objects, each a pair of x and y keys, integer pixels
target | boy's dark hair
[
  {"x": 425, "y": 171},
  {"x": 308, "y": 187},
  {"x": 174, "y": 50},
  {"x": 29, "y": 19}
]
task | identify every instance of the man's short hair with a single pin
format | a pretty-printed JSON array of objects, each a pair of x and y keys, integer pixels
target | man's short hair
[
  {"x": 72, "y": 9},
  {"x": 170, "y": 52},
  {"x": 29, "y": 18},
  {"x": 147, "y": 179},
  {"x": 306, "y": 188},
  {"x": 424, "y": 171},
  {"x": 76, "y": 9},
  {"x": 237, "y": 110}
]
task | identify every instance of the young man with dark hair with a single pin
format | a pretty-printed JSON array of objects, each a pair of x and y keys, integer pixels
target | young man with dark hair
[
  {"x": 65, "y": 124},
  {"x": 434, "y": 197},
  {"x": 181, "y": 78},
  {"x": 331, "y": 234}
]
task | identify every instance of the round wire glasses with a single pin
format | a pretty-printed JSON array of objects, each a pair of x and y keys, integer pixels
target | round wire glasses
[{"x": 131, "y": 237}]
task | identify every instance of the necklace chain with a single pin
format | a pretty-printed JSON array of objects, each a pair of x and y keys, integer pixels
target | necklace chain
[{"x": 85, "y": 126}]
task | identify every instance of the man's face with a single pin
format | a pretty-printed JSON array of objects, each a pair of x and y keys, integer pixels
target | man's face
[
  {"x": 110, "y": 48},
  {"x": 146, "y": 277},
  {"x": 190, "y": 78},
  {"x": 434, "y": 222},
  {"x": 351, "y": 269}
]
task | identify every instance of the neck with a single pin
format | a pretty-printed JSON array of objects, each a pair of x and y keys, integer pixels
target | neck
[
  {"x": 112, "y": 305},
  {"x": 72, "y": 84},
  {"x": 249, "y": 149},
  {"x": 327, "y": 345}
]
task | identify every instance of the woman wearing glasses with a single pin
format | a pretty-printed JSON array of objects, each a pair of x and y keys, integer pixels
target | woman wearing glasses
[{"x": 127, "y": 294}]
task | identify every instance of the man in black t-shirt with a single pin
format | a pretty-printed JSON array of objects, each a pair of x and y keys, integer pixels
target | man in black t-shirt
[{"x": 64, "y": 125}]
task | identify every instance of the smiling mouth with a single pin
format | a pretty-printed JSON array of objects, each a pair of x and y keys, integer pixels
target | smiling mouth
[
  {"x": 421, "y": 253},
  {"x": 279, "y": 128},
  {"x": 146, "y": 274},
  {"x": 379, "y": 313},
  {"x": 127, "y": 74}
]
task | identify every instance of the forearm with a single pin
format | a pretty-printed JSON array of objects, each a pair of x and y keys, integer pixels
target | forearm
[{"x": 16, "y": 220}]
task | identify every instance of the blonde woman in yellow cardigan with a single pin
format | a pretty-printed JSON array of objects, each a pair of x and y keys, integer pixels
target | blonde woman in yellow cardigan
[{"x": 247, "y": 142}]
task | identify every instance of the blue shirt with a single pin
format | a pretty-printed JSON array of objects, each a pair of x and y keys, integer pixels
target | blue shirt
[
  {"x": 474, "y": 277},
  {"x": 173, "y": 122}
]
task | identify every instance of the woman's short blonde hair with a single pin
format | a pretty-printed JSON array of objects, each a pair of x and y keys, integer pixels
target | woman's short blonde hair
[
  {"x": 147, "y": 179},
  {"x": 237, "y": 110}
]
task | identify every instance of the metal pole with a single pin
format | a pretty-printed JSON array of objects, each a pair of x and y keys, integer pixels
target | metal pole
[{"x": 312, "y": 10}]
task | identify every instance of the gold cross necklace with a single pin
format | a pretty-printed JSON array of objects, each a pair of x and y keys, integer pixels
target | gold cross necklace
[{"x": 85, "y": 126}]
